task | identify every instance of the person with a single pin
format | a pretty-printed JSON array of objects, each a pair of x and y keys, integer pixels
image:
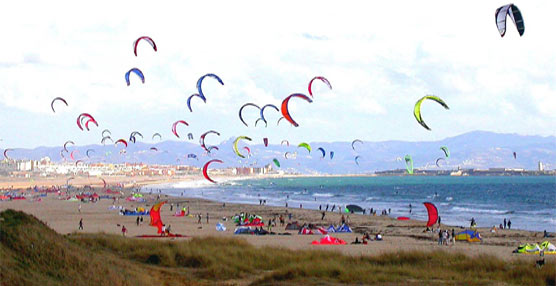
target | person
[
  {"x": 286, "y": 204},
  {"x": 439, "y": 220},
  {"x": 439, "y": 237},
  {"x": 269, "y": 225},
  {"x": 509, "y": 224},
  {"x": 168, "y": 229},
  {"x": 410, "y": 207},
  {"x": 505, "y": 223},
  {"x": 333, "y": 207},
  {"x": 300, "y": 206},
  {"x": 163, "y": 230},
  {"x": 356, "y": 241},
  {"x": 472, "y": 222},
  {"x": 389, "y": 210},
  {"x": 137, "y": 221},
  {"x": 545, "y": 235},
  {"x": 199, "y": 217},
  {"x": 124, "y": 230},
  {"x": 323, "y": 214},
  {"x": 282, "y": 220},
  {"x": 290, "y": 216},
  {"x": 326, "y": 207},
  {"x": 320, "y": 207},
  {"x": 141, "y": 219},
  {"x": 79, "y": 208},
  {"x": 207, "y": 218},
  {"x": 81, "y": 224},
  {"x": 343, "y": 219},
  {"x": 171, "y": 206},
  {"x": 445, "y": 237}
]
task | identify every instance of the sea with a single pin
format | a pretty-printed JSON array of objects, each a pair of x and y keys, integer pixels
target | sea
[{"x": 529, "y": 202}]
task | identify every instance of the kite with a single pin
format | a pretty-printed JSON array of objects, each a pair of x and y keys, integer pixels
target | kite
[
  {"x": 241, "y": 109},
  {"x": 322, "y": 151},
  {"x": 285, "y": 111},
  {"x": 432, "y": 212},
  {"x": 236, "y": 150},
  {"x": 257, "y": 122},
  {"x": 417, "y": 108},
  {"x": 438, "y": 161},
  {"x": 285, "y": 141},
  {"x": 305, "y": 145},
  {"x": 106, "y": 138},
  {"x": 156, "y": 221},
  {"x": 265, "y": 142},
  {"x": 191, "y": 156},
  {"x": 321, "y": 79},
  {"x": 175, "y": 125},
  {"x": 501, "y": 15},
  {"x": 157, "y": 134},
  {"x": 121, "y": 141},
  {"x": 202, "y": 140},
  {"x": 132, "y": 136},
  {"x": 6, "y": 153},
  {"x": 446, "y": 151},
  {"x": 515, "y": 155},
  {"x": 205, "y": 169},
  {"x": 55, "y": 99},
  {"x": 357, "y": 160},
  {"x": 189, "y": 100},
  {"x": 200, "y": 82},
  {"x": 353, "y": 143},
  {"x": 154, "y": 149},
  {"x": 145, "y": 38},
  {"x": 409, "y": 164},
  {"x": 262, "y": 111},
  {"x": 276, "y": 162},
  {"x": 331, "y": 155},
  {"x": 66, "y": 145},
  {"x": 105, "y": 130},
  {"x": 135, "y": 71},
  {"x": 83, "y": 116},
  {"x": 190, "y": 136}
]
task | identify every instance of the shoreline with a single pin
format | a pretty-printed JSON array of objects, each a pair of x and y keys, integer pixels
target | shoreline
[{"x": 63, "y": 216}]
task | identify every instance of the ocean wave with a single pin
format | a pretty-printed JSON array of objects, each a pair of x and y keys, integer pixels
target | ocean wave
[
  {"x": 472, "y": 210},
  {"x": 324, "y": 195}
]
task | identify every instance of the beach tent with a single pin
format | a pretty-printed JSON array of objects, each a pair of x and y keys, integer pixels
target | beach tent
[
  {"x": 293, "y": 226},
  {"x": 433, "y": 213},
  {"x": 220, "y": 227},
  {"x": 344, "y": 228},
  {"x": 305, "y": 231},
  {"x": 244, "y": 230},
  {"x": 353, "y": 209},
  {"x": 469, "y": 235},
  {"x": 331, "y": 228},
  {"x": 329, "y": 240}
]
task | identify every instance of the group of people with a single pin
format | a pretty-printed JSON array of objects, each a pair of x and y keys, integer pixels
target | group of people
[
  {"x": 367, "y": 237},
  {"x": 446, "y": 238}
]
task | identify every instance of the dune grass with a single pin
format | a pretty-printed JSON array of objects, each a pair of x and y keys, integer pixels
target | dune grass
[{"x": 37, "y": 255}]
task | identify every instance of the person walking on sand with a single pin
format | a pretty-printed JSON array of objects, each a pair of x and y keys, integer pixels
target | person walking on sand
[
  {"x": 81, "y": 224},
  {"x": 323, "y": 214},
  {"x": 199, "y": 217},
  {"x": 207, "y": 218},
  {"x": 453, "y": 237},
  {"x": 509, "y": 224},
  {"x": 505, "y": 223},
  {"x": 124, "y": 230},
  {"x": 439, "y": 237},
  {"x": 137, "y": 221}
]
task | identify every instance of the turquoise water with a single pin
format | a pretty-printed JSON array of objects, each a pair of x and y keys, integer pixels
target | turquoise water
[{"x": 529, "y": 202}]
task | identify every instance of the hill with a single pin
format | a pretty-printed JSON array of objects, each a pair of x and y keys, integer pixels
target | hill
[{"x": 33, "y": 254}]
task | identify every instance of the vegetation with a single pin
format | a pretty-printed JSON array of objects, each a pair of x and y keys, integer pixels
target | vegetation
[{"x": 33, "y": 254}]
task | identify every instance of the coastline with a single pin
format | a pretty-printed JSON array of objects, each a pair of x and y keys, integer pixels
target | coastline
[{"x": 63, "y": 216}]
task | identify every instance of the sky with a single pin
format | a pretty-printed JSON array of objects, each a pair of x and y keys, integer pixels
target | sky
[{"x": 379, "y": 57}]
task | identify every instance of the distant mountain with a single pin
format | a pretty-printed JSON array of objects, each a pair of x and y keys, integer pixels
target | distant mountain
[{"x": 477, "y": 149}]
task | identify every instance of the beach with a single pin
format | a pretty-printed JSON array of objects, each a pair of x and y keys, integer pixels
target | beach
[{"x": 63, "y": 216}]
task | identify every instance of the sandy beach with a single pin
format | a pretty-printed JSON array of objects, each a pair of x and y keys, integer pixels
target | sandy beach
[{"x": 63, "y": 216}]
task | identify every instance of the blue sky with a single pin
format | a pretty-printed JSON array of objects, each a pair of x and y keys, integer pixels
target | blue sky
[{"x": 380, "y": 59}]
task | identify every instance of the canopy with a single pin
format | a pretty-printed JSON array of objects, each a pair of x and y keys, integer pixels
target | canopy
[
  {"x": 469, "y": 235},
  {"x": 433, "y": 213},
  {"x": 156, "y": 221}
]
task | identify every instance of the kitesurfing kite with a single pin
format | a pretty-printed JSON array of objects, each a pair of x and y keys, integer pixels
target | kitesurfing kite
[
  {"x": 6, "y": 153},
  {"x": 323, "y": 79},
  {"x": 265, "y": 142},
  {"x": 136, "y": 71},
  {"x": 305, "y": 145},
  {"x": 236, "y": 150},
  {"x": 500, "y": 16},
  {"x": 432, "y": 212},
  {"x": 331, "y": 155},
  {"x": 438, "y": 161},
  {"x": 262, "y": 111},
  {"x": 285, "y": 141},
  {"x": 417, "y": 108},
  {"x": 202, "y": 140},
  {"x": 106, "y": 138},
  {"x": 146, "y": 39},
  {"x": 157, "y": 134},
  {"x": 191, "y": 97},
  {"x": 175, "y": 126},
  {"x": 357, "y": 160},
  {"x": 241, "y": 109},
  {"x": 205, "y": 169},
  {"x": 409, "y": 164},
  {"x": 54, "y": 100},
  {"x": 89, "y": 119},
  {"x": 322, "y": 151},
  {"x": 446, "y": 151},
  {"x": 276, "y": 162},
  {"x": 353, "y": 143},
  {"x": 121, "y": 141},
  {"x": 156, "y": 221},
  {"x": 66, "y": 145},
  {"x": 200, "y": 82},
  {"x": 285, "y": 111},
  {"x": 132, "y": 136},
  {"x": 105, "y": 130}
]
